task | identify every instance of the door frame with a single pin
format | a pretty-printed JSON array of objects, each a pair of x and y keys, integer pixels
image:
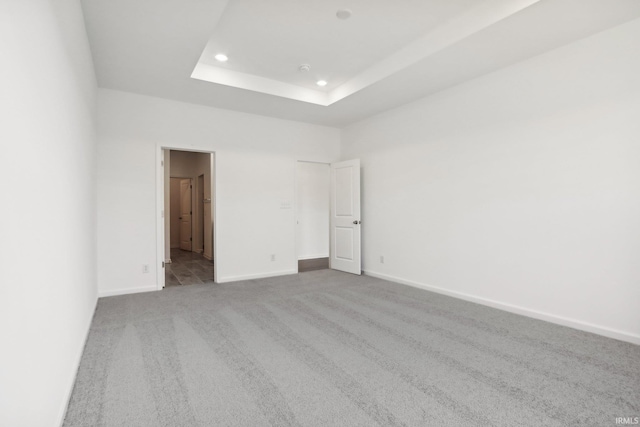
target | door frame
[{"x": 159, "y": 213}]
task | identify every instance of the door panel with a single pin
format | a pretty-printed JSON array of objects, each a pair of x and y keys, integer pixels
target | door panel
[
  {"x": 185, "y": 214},
  {"x": 345, "y": 217},
  {"x": 344, "y": 243},
  {"x": 344, "y": 197}
]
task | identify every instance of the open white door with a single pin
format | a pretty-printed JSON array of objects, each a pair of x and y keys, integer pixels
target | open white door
[
  {"x": 345, "y": 217},
  {"x": 185, "y": 214}
]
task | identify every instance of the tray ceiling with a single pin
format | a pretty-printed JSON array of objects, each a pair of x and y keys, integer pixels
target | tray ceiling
[{"x": 386, "y": 54}]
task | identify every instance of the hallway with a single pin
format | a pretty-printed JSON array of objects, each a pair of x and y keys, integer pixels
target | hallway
[{"x": 188, "y": 268}]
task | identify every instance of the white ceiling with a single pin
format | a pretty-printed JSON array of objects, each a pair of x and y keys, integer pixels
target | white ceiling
[
  {"x": 272, "y": 38},
  {"x": 388, "y": 53}
]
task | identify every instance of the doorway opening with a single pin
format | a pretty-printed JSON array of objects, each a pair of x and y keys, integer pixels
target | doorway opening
[
  {"x": 328, "y": 216},
  {"x": 312, "y": 215},
  {"x": 187, "y": 236}
]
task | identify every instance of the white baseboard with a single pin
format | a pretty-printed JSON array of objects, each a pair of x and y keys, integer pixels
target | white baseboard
[
  {"x": 256, "y": 276},
  {"x": 199, "y": 251},
  {"x": 63, "y": 412},
  {"x": 167, "y": 261},
  {"x": 559, "y": 320},
  {"x": 207, "y": 256},
  {"x": 303, "y": 257},
  {"x": 125, "y": 291}
]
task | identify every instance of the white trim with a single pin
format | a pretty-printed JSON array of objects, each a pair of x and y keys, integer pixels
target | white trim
[
  {"x": 207, "y": 256},
  {"x": 125, "y": 291},
  {"x": 213, "y": 165},
  {"x": 72, "y": 383},
  {"x": 257, "y": 276},
  {"x": 313, "y": 256},
  {"x": 295, "y": 210},
  {"x": 159, "y": 215},
  {"x": 553, "y": 318},
  {"x": 167, "y": 261}
]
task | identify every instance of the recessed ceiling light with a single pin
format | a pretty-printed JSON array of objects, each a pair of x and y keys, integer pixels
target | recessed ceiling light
[
  {"x": 343, "y": 14},
  {"x": 221, "y": 57},
  {"x": 321, "y": 83}
]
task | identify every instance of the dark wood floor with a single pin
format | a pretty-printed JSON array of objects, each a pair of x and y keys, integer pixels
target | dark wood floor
[{"x": 313, "y": 264}]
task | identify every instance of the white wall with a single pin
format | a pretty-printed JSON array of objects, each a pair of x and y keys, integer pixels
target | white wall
[
  {"x": 312, "y": 210},
  {"x": 519, "y": 189},
  {"x": 254, "y": 171},
  {"x": 47, "y": 220}
]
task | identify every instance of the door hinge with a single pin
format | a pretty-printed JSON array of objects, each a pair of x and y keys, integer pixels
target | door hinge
[
  {"x": 161, "y": 162},
  {"x": 162, "y": 264}
]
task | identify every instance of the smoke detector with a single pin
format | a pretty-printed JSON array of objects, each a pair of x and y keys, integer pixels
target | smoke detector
[{"x": 304, "y": 68}]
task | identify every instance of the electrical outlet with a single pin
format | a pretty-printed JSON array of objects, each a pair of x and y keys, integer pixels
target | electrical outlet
[
  {"x": 381, "y": 259},
  {"x": 273, "y": 257},
  {"x": 145, "y": 268}
]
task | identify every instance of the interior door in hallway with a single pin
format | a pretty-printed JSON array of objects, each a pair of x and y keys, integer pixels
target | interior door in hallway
[
  {"x": 200, "y": 205},
  {"x": 345, "y": 217},
  {"x": 185, "y": 214}
]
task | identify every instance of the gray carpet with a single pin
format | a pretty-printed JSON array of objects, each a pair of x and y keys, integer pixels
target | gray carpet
[{"x": 330, "y": 349}]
